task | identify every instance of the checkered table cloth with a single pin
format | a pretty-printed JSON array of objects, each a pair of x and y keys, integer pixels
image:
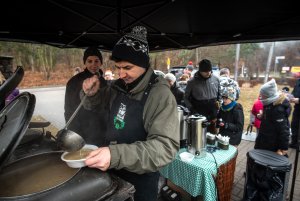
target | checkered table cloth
[{"x": 196, "y": 177}]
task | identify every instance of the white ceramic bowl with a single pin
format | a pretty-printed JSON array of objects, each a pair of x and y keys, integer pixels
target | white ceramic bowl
[
  {"x": 80, "y": 162},
  {"x": 186, "y": 157}
]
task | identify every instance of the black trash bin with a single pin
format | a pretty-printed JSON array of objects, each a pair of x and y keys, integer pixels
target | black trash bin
[{"x": 267, "y": 176}]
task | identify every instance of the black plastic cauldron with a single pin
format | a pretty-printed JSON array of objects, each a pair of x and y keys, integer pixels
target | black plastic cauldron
[{"x": 44, "y": 176}]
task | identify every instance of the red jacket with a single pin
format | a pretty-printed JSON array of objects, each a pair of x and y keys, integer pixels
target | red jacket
[{"x": 255, "y": 110}]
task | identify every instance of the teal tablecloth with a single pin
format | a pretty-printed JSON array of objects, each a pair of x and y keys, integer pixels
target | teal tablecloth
[{"x": 196, "y": 177}]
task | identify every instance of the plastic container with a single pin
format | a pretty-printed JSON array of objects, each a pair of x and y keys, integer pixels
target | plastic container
[
  {"x": 186, "y": 157},
  {"x": 79, "y": 162},
  {"x": 210, "y": 139},
  {"x": 223, "y": 145}
]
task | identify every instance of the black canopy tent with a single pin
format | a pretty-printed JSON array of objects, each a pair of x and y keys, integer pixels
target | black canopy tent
[{"x": 171, "y": 24}]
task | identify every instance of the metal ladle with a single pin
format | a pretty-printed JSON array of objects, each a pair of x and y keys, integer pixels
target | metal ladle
[{"x": 68, "y": 140}]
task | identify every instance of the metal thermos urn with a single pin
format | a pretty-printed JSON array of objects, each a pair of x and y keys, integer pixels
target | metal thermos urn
[
  {"x": 197, "y": 128},
  {"x": 183, "y": 128}
]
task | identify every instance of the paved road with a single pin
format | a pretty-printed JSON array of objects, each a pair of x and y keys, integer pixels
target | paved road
[{"x": 50, "y": 104}]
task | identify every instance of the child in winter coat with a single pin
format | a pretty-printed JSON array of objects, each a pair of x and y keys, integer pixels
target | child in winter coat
[
  {"x": 256, "y": 112},
  {"x": 231, "y": 116},
  {"x": 274, "y": 129}
]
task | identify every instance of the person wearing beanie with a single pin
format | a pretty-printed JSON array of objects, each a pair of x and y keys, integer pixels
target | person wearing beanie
[
  {"x": 269, "y": 92},
  {"x": 202, "y": 94},
  {"x": 231, "y": 116},
  {"x": 86, "y": 123},
  {"x": 225, "y": 80},
  {"x": 175, "y": 88},
  {"x": 143, "y": 130},
  {"x": 189, "y": 68},
  {"x": 274, "y": 128}
]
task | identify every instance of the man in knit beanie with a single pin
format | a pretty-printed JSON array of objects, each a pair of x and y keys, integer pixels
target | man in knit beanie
[
  {"x": 205, "y": 66},
  {"x": 86, "y": 123},
  {"x": 274, "y": 129},
  {"x": 92, "y": 51},
  {"x": 202, "y": 94},
  {"x": 143, "y": 133},
  {"x": 133, "y": 48}
]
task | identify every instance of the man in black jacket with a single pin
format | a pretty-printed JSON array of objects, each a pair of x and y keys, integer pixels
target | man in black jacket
[
  {"x": 87, "y": 123},
  {"x": 202, "y": 94}
]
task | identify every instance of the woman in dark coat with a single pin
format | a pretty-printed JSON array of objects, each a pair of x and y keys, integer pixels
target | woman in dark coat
[{"x": 231, "y": 116}]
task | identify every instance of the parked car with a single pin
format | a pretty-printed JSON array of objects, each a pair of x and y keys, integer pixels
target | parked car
[
  {"x": 177, "y": 71},
  {"x": 216, "y": 70},
  {"x": 295, "y": 71},
  {"x": 159, "y": 73}
]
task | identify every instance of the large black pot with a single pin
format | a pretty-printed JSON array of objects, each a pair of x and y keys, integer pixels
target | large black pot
[{"x": 45, "y": 176}]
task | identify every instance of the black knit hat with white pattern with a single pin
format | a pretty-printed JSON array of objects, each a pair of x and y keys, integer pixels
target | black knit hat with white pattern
[{"x": 133, "y": 48}]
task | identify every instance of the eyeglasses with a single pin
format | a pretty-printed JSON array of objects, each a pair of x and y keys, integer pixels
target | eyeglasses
[{"x": 224, "y": 97}]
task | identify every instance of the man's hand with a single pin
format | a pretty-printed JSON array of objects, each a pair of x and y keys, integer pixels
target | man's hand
[
  {"x": 91, "y": 85},
  {"x": 99, "y": 158}
]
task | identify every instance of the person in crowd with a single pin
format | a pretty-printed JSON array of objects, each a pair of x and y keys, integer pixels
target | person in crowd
[
  {"x": 202, "y": 94},
  {"x": 231, "y": 116},
  {"x": 77, "y": 70},
  {"x": 108, "y": 75},
  {"x": 183, "y": 81},
  {"x": 143, "y": 129},
  {"x": 86, "y": 123},
  {"x": 289, "y": 96},
  {"x": 189, "y": 68},
  {"x": 6, "y": 68},
  {"x": 175, "y": 88},
  {"x": 296, "y": 115},
  {"x": 274, "y": 129},
  {"x": 2, "y": 78},
  {"x": 226, "y": 80},
  {"x": 256, "y": 114},
  {"x": 12, "y": 96}
]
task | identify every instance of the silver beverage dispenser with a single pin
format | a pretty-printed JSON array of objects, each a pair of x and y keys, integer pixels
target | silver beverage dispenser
[
  {"x": 197, "y": 126},
  {"x": 183, "y": 128}
]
